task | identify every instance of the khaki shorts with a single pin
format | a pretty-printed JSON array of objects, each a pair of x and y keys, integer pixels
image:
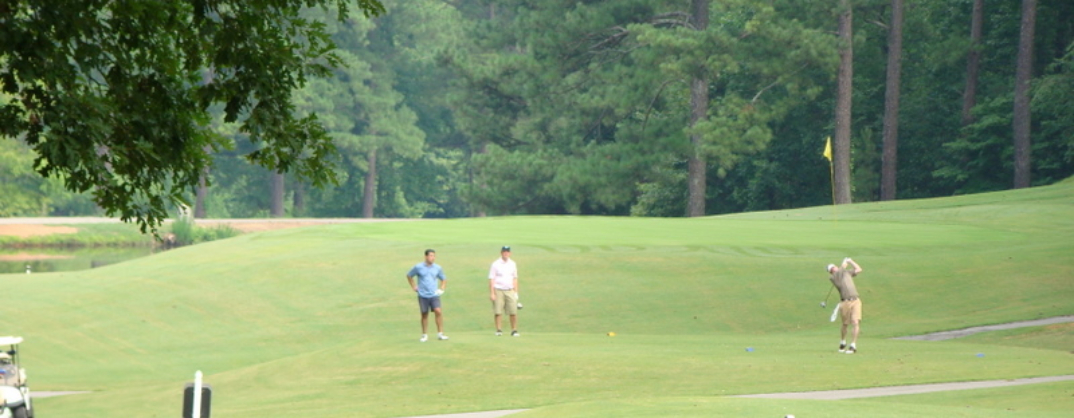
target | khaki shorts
[
  {"x": 850, "y": 310},
  {"x": 505, "y": 300}
]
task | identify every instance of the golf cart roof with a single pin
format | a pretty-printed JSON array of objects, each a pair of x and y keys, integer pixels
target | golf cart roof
[{"x": 10, "y": 340}]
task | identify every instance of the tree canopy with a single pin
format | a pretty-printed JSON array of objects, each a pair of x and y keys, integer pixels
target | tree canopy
[
  {"x": 115, "y": 97},
  {"x": 502, "y": 107}
]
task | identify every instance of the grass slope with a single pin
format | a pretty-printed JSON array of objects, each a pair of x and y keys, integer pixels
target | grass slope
[{"x": 320, "y": 320}]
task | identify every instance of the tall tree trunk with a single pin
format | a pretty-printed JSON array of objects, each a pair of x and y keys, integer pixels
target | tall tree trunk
[
  {"x": 369, "y": 194},
  {"x": 276, "y": 206},
  {"x": 481, "y": 149},
  {"x": 973, "y": 63},
  {"x": 889, "y": 158},
  {"x": 699, "y": 101},
  {"x": 199, "y": 198},
  {"x": 696, "y": 176},
  {"x": 1022, "y": 142},
  {"x": 298, "y": 201},
  {"x": 841, "y": 147}
]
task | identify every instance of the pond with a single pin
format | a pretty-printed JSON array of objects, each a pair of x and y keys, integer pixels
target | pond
[{"x": 40, "y": 260}]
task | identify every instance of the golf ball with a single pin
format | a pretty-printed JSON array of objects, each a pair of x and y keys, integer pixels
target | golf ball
[{"x": 789, "y": 416}]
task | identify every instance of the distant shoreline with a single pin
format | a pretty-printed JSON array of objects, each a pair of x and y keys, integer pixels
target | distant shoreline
[{"x": 46, "y": 231}]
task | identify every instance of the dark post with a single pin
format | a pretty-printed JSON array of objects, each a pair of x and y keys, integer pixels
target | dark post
[{"x": 188, "y": 401}]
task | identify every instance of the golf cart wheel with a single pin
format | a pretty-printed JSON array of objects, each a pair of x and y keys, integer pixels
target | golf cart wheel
[{"x": 20, "y": 412}]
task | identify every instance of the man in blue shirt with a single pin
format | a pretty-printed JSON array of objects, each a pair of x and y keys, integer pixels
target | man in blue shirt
[{"x": 429, "y": 291}]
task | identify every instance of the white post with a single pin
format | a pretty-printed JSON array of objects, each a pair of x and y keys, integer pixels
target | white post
[{"x": 196, "y": 408}]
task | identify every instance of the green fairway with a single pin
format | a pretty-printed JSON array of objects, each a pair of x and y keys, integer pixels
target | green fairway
[{"x": 320, "y": 321}]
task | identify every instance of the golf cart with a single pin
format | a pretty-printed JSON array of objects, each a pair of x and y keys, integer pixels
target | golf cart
[{"x": 13, "y": 388}]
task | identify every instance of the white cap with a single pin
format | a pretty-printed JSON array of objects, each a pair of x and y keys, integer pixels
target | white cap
[{"x": 829, "y": 268}]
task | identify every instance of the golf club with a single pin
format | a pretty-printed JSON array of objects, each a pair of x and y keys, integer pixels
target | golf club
[{"x": 824, "y": 304}]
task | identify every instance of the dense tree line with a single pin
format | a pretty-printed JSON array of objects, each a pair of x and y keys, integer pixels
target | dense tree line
[{"x": 643, "y": 107}]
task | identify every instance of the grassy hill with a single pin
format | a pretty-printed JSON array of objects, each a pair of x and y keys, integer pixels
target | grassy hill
[{"x": 319, "y": 321}]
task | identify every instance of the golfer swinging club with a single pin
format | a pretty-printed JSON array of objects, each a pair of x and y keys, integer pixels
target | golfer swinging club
[{"x": 849, "y": 305}]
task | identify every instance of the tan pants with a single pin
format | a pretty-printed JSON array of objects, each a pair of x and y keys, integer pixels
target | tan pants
[
  {"x": 850, "y": 310},
  {"x": 505, "y": 300}
]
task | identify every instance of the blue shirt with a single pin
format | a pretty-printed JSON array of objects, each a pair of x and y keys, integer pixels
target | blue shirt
[{"x": 427, "y": 277}]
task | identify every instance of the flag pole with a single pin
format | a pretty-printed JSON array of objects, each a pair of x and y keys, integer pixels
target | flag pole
[
  {"x": 831, "y": 177},
  {"x": 831, "y": 173}
]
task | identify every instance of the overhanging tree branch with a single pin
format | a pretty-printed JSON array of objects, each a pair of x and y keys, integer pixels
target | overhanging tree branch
[{"x": 92, "y": 76}]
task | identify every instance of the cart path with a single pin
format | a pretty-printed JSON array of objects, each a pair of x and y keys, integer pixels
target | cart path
[
  {"x": 832, "y": 395},
  {"x": 884, "y": 390},
  {"x": 959, "y": 333},
  {"x": 485, "y": 414}
]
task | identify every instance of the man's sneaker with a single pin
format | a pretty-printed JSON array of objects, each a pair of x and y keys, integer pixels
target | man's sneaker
[
  {"x": 852, "y": 349},
  {"x": 424, "y": 338},
  {"x": 499, "y": 333},
  {"x": 441, "y": 337},
  {"x": 842, "y": 348},
  {"x": 515, "y": 333}
]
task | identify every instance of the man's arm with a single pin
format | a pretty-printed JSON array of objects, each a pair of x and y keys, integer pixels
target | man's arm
[
  {"x": 410, "y": 279},
  {"x": 857, "y": 268}
]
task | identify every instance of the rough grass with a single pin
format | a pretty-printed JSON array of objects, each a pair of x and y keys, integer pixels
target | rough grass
[{"x": 320, "y": 320}]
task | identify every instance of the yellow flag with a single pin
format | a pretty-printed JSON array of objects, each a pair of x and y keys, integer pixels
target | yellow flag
[{"x": 828, "y": 149}]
